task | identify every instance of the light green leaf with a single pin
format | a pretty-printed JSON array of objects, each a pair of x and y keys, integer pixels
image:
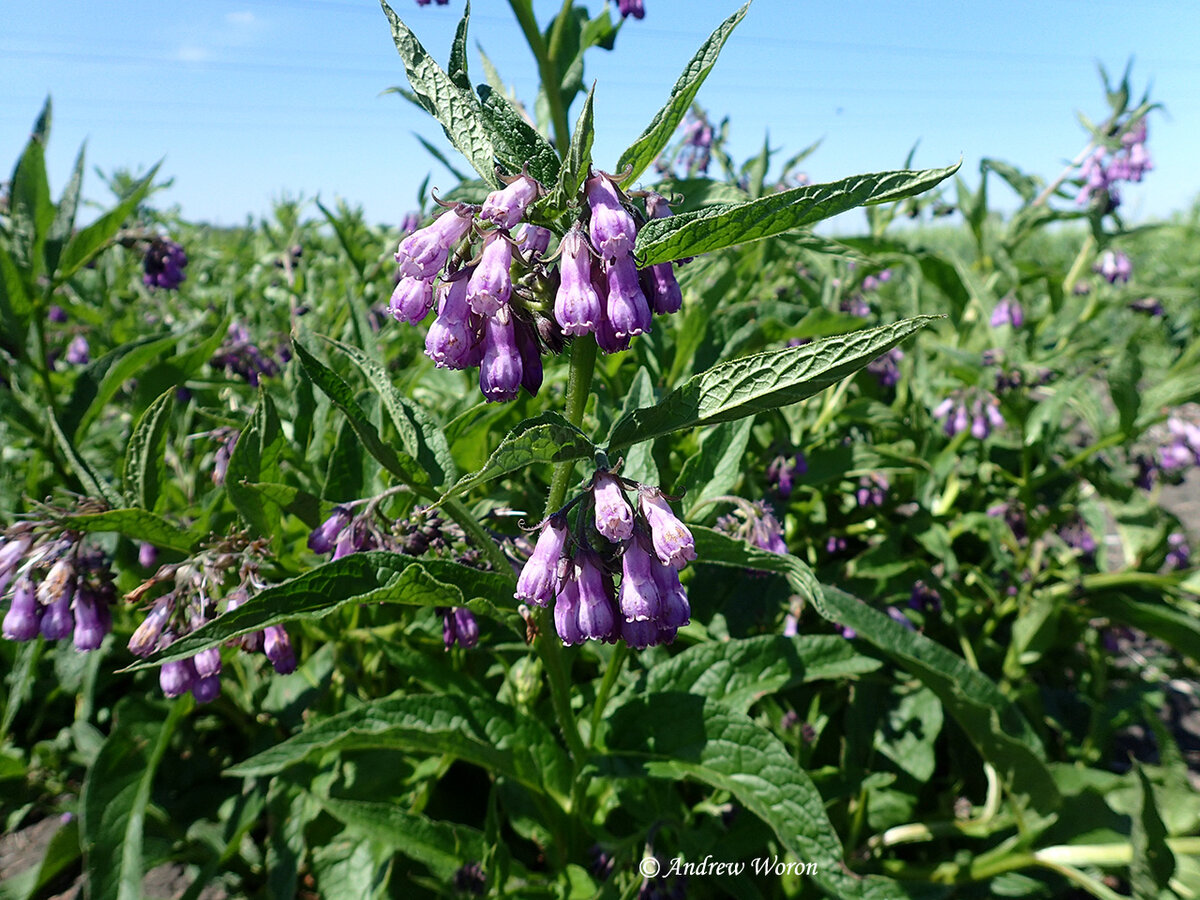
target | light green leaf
[
  {"x": 574, "y": 168},
  {"x": 766, "y": 381},
  {"x": 740, "y": 672},
  {"x": 1153, "y": 863},
  {"x": 93, "y": 484},
  {"x": 639, "y": 458},
  {"x": 717, "y": 466},
  {"x": 457, "y": 110},
  {"x": 89, "y": 241},
  {"x": 255, "y": 458},
  {"x": 64, "y": 216},
  {"x": 658, "y": 133},
  {"x": 137, "y": 525},
  {"x": 715, "y": 227},
  {"x": 116, "y": 793},
  {"x": 143, "y": 463},
  {"x": 99, "y": 382},
  {"x": 548, "y": 438}
]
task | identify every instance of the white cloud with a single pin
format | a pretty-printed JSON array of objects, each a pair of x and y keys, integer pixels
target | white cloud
[
  {"x": 244, "y": 19},
  {"x": 192, "y": 53}
]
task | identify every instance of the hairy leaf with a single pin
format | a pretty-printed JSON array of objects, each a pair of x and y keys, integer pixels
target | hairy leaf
[
  {"x": 137, "y": 525},
  {"x": 143, "y": 462}
]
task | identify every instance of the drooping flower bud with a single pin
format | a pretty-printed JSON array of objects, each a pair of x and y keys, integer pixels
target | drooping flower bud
[
  {"x": 145, "y": 638},
  {"x": 538, "y": 577},
  {"x": 12, "y": 551},
  {"x": 278, "y": 648},
  {"x": 207, "y": 662},
  {"x": 626, "y": 307},
  {"x": 411, "y": 300},
  {"x": 56, "y": 582},
  {"x": 633, "y": 8},
  {"x": 611, "y": 227},
  {"x": 614, "y": 517},
  {"x": 90, "y": 624},
  {"x": 147, "y": 555},
  {"x": 324, "y": 536},
  {"x": 57, "y": 622},
  {"x": 662, "y": 288},
  {"x": 534, "y": 240},
  {"x": 452, "y": 337},
  {"x": 422, "y": 254},
  {"x": 176, "y": 677},
  {"x": 577, "y": 306},
  {"x": 531, "y": 358},
  {"x": 566, "y": 611},
  {"x": 78, "y": 351},
  {"x": 501, "y": 371},
  {"x": 596, "y": 620},
  {"x": 466, "y": 628},
  {"x": 676, "y": 611},
  {"x": 22, "y": 622},
  {"x": 506, "y": 207},
  {"x": 206, "y": 688},
  {"x": 673, "y": 542},
  {"x": 490, "y": 285}
]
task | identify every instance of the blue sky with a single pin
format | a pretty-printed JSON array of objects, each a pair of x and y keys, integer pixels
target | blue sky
[{"x": 249, "y": 100}]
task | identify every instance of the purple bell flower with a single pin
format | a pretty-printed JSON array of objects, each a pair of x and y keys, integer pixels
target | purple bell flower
[
  {"x": 324, "y": 537},
  {"x": 638, "y": 597},
  {"x": 22, "y": 622},
  {"x": 675, "y": 611},
  {"x": 673, "y": 542},
  {"x": 490, "y": 285},
  {"x": 176, "y": 677},
  {"x": 611, "y": 227},
  {"x": 531, "y": 358},
  {"x": 626, "y": 308},
  {"x": 540, "y": 573},
  {"x": 566, "y": 611},
  {"x": 534, "y": 240},
  {"x": 411, "y": 300},
  {"x": 421, "y": 255},
  {"x": 78, "y": 351},
  {"x": 631, "y": 8},
  {"x": 506, "y": 207},
  {"x": 1179, "y": 554},
  {"x": 614, "y": 516},
  {"x": 1008, "y": 312},
  {"x": 206, "y": 688},
  {"x": 501, "y": 372},
  {"x": 164, "y": 264},
  {"x": 452, "y": 337},
  {"x": 91, "y": 624},
  {"x": 596, "y": 620},
  {"x": 145, "y": 638},
  {"x": 661, "y": 286},
  {"x": 577, "y": 306},
  {"x": 278, "y": 648},
  {"x": 207, "y": 662}
]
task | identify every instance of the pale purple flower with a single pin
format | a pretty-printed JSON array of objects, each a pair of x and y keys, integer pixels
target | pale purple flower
[
  {"x": 278, "y": 648},
  {"x": 1008, "y": 312},
  {"x": 92, "y": 621},
  {"x": 421, "y": 255},
  {"x": 577, "y": 306},
  {"x": 633, "y": 8},
  {"x": 566, "y": 611},
  {"x": 534, "y": 240},
  {"x": 147, "y": 555},
  {"x": 324, "y": 537},
  {"x": 176, "y": 677},
  {"x": 78, "y": 351},
  {"x": 207, "y": 662},
  {"x": 452, "y": 339},
  {"x": 611, "y": 227},
  {"x": 626, "y": 307},
  {"x": 1114, "y": 266},
  {"x": 614, "y": 516},
  {"x": 490, "y": 284},
  {"x": 206, "y": 688},
  {"x": 12, "y": 551},
  {"x": 539, "y": 575},
  {"x": 22, "y": 622},
  {"x": 673, "y": 542},
  {"x": 661, "y": 286},
  {"x": 783, "y": 470},
  {"x": 596, "y": 619},
  {"x": 57, "y": 314},
  {"x": 411, "y": 300},
  {"x": 501, "y": 370},
  {"x": 506, "y": 207},
  {"x": 146, "y": 636},
  {"x": 675, "y": 609},
  {"x": 1179, "y": 554},
  {"x": 638, "y": 596},
  {"x": 459, "y": 627}
]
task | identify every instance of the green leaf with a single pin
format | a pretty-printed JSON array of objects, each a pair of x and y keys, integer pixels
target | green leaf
[
  {"x": 766, "y": 381},
  {"x": 347, "y": 241},
  {"x": 424, "y": 439},
  {"x": 441, "y": 846},
  {"x": 715, "y": 227},
  {"x": 64, "y": 217},
  {"x": 574, "y": 168},
  {"x": 548, "y": 438},
  {"x": 458, "y": 51},
  {"x": 256, "y": 458},
  {"x": 716, "y": 467},
  {"x": 639, "y": 459},
  {"x": 1153, "y": 862},
  {"x": 517, "y": 143},
  {"x": 456, "y": 109},
  {"x": 61, "y": 851},
  {"x": 375, "y": 577},
  {"x": 305, "y": 506},
  {"x": 87, "y": 242},
  {"x": 31, "y": 211},
  {"x": 137, "y": 525},
  {"x": 15, "y": 305},
  {"x": 993, "y": 723},
  {"x": 97, "y": 384},
  {"x": 403, "y": 466},
  {"x": 678, "y": 736},
  {"x": 93, "y": 484},
  {"x": 144, "y": 463},
  {"x": 477, "y": 730},
  {"x": 740, "y": 672},
  {"x": 658, "y": 133},
  {"x": 116, "y": 793},
  {"x": 1178, "y": 629}
]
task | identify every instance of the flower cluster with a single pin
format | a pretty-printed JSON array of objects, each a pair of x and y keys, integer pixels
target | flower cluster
[
  {"x": 782, "y": 472},
  {"x": 1182, "y": 448},
  {"x": 1102, "y": 168},
  {"x": 692, "y": 154},
  {"x": 1008, "y": 312},
  {"x": 240, "y": 355},
  {"x": 631, "y": 8},
  {"x": 164, "y": 264},
  {"x": 872, "y": 490},
  {"x": 886, "y": 368},
  {"x": 79, "y": 352},
  {"x": 60, "y": 587},
  {"x": 1179, "y": 554},
  {"x": 648, "y": 547},
  {"x": 421, "y": 532},
  {"x": 754, "y": 523},
  {"x": 857, "y": 304},
  {"x": 488, "y": 318},
  {"x": 196, "y": 594},
  {"x": 979, "y": 412},
  {"x": 1114, "y": 266}
]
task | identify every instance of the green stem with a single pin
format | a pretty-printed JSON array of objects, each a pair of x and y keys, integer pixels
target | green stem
[
  {"x": 547, "y": 69},
  {"x": 610, "y": 679},
  {"x": 579, "y": 385}
]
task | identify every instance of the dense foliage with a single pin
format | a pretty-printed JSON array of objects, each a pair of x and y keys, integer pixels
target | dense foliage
[{"x": 644, "y": 542}]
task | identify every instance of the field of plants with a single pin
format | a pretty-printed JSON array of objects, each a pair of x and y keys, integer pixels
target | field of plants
[{"x": 603, "y": 530}]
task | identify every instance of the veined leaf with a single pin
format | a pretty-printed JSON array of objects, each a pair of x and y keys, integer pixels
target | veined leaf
[
  {"x": 375, "y": 577},
  {"x": 766, "y": 381},
  {"x": 658, "y": 133},
  {"x": 457, "y": 110},
  {"x": 458, "y": 51},
  {"x": 639, "y": 459},
  {"x": 739, "y": 672},
  {"x": 716, "y": 467},
  {"x": 256, "y": 458},
  {"x": 64, "y": 216},
  {"x": 715, "y": 227},
  {"x": 115, "y": 795},
  {"x": 575, "y": 167},
  {"x": 1153, "y": 863},
  {"x": 31, "y": 211},
  {"x": 97, "y": 384},
  {"x": 92, "y": 483},
  {"x": 137, "y": 525},
  {"x": 477, "y": 730},
  {"x": 542, "y": 439},
  {"x": 87, "y": 242},
  {"x": 994, "y": 725},
  {"x": 144, "y": 453},
  {"x": 517, "y": 143}
]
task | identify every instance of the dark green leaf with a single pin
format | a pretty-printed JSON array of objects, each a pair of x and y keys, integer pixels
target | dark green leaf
[
  {"x": 31, "y": 211},
  {"x": 89, "y": 241},
  {"x": 15, "y": 305},
  {"x": 994, "y": 725},
  {"x": 767, "y": 381},
  {"x": 375, "y": 577},
  {"x": 574, "y": 168},
  {"x": 1153, "y": 862},
  {"x": 116, "y": 793},
  {"x": 64, "y": 217},
  {"x": 97, "y": 384},
  {"x": 301, "y": 504},
  {"x": 478, "y": 730},
  {"x": 93, "y": 484},
  {"x": 458, "y": 52},
  {"x": 456, "y": 109},
  {"x": 543, "y": 439},
  {"x": 716, "y": 227},
  {"x": 517, "y": 143},
  {"x": 1178, "y": 629},
  {"x": 716, "y": 467},
  {"x": 639, "y": 458},
  {"x": 658, "y": 133},
  {"x": 256, "y": 458},
  {"x": 739, "y": 672},
  {"x": 137, "y": 525},
  {"x": 143, "y": 464}
]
